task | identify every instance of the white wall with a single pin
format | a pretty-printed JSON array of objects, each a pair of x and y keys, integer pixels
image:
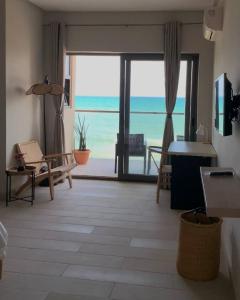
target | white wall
[
  {"x": 24, "y": 68},
  {"x": 227, "y": 60},
  {"x": 2, "y": 98},
  {"x": 228, "y": 148},
  {"x": 142, "y": 39}
]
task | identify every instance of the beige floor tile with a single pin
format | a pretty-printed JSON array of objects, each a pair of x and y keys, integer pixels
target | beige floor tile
[
  {"x": 40, "y": 283},
  {"x": 108, "y": 222},
  {"x": 43, "y": 244},
  {"x": 125, "y": 251},
  {"x": 57, "y": 296},
  {"x": 159, "y": 217},
  {"x": 47, "y": 226},
  {"x": 68, "y": 236},
  {"x": 150, "y": 265},
  {"x": 13, "y": 294},
  {"x": 64, "y": 257},
  {"x": 153, "y": 244},
  {"x": 131, "y": 292},
  {"x": 161, "y": 233},
  {"x": 123, "y": 276},
  {"x": 114, "y": 223},
  {"x": 33, "y": 267},
  {"x": 26, "y": 233},
  {"x": 89, "y": 238},
  {"x": 87, "y": 208}
]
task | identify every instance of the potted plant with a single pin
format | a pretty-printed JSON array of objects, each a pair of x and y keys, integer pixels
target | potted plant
[{"x": 82, "y": 153}]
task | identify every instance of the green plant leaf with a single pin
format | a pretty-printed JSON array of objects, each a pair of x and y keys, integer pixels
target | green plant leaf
[{"x": 80, "y": 130}]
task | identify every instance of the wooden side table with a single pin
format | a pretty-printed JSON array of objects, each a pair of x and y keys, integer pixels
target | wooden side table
[{"x": 29, "y": 171}]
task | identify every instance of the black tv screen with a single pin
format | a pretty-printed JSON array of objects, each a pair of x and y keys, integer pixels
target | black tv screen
[{"x": 223, "y": 91}]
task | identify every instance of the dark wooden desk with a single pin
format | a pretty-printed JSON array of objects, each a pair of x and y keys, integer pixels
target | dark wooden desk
[{"x": 186, "y": 160}]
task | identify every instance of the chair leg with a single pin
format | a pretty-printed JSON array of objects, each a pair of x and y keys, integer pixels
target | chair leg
[
  {"x": 51, "y": 187},
  {"x": 149, "y": 161},
  {"x": 115, "y": 169},
  {"x": 70, "y": 179},
  {"x": 144, "y": 170},
  {"x": 158, "y": 188},
  {"x": 1, "y": 268}
]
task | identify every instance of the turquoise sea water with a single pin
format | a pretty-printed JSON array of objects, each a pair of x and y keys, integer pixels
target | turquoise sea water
[{"x": 103, "y": 127}]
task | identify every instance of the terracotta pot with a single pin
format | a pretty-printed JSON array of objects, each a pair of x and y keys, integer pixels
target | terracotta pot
[{"x": 81, "y": 157}]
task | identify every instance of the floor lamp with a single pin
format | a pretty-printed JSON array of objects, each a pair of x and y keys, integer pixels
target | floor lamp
[{"x": 44, "y": 89}]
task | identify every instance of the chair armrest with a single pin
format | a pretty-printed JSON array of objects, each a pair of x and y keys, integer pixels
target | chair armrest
[
  {"x": 156, "y": 149},
  {"x": 35, "y": 162},
  {"x": 47, "y": 161},
  {"x": 56, "y": 155}
]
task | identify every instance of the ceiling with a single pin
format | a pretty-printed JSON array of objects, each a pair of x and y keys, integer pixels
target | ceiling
[{"x": 121, "y": 5}]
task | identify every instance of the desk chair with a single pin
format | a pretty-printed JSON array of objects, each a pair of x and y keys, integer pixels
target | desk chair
[
  {"x": 151, "y": 150},
  {"x": 136, "y": 147},
  {"x": 157, "y": 149},
  {"x": 164, "y": 171},
  {"x": 164, "y": 175}
]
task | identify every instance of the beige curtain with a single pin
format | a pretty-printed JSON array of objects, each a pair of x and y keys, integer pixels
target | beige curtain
[
  {"x": 172, "y": 56},
  {"x": 55, "y": 53}
]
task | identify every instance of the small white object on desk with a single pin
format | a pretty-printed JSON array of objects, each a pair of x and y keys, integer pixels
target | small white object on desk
[
  {"x": 192, "y": 149},
  {"x": 221, "y": 193},
  {"x": 202, "y": 133}
]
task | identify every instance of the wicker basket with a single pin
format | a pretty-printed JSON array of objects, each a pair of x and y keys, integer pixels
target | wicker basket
[{"x": 199, "y": 246}]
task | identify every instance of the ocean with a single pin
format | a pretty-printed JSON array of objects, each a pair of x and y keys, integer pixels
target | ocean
[{"x": 103, "y": 127}]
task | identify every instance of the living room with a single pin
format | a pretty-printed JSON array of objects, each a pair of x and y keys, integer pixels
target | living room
[{"x": 22, "y": 34}]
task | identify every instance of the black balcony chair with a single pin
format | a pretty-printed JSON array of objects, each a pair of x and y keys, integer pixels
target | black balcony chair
[{"x": 136, "y": 147}]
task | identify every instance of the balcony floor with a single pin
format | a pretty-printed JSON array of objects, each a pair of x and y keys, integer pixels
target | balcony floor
[{"x": 101, "y": 167}]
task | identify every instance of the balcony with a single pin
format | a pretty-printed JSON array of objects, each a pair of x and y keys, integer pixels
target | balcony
[{"x": 102, "y": 137}]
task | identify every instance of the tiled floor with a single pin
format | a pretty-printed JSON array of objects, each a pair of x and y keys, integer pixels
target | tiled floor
[{"x": 98, "y": 241}]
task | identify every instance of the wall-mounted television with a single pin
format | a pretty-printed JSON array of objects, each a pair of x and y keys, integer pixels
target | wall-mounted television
[{"x": 223, "y": 92}]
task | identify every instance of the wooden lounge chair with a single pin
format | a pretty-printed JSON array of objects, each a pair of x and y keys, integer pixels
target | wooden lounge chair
[{"x": 33, "y": 156}]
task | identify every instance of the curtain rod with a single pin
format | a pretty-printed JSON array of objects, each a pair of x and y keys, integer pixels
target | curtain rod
[{"x": 123, "y": 25}]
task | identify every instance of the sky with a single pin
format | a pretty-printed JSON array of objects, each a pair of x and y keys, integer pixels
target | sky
[{"x": 100, "y": 76}]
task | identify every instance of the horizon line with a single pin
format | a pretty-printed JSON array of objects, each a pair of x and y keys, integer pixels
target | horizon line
[{"x": 130, "y": 97}]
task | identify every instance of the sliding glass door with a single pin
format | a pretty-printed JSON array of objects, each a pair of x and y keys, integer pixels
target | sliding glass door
[
  {"x": 143, "y": 112},
  {"x": 122, "y": 131}
]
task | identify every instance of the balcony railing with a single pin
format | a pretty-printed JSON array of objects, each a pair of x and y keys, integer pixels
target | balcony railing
[
  {"x": 132, "y": 112},
  {"x": 103, "y": 127}
]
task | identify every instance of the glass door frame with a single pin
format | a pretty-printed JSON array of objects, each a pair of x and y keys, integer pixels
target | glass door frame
[{"x": 124, "y": 116}]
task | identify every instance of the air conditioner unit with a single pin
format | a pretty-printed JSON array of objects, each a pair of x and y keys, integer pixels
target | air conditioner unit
[
  {"x": 209, "y": 34},
  {"x": 212, "y": 22}
]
